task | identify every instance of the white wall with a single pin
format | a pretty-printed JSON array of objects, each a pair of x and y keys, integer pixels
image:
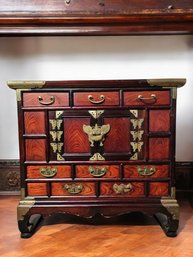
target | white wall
[{"x": 60, "y": 58}]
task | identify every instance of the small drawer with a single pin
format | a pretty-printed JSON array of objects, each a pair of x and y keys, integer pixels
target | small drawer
[
  {"x": 158, "y": 189},
  {"x": 73, "y": 189},
  {"x": 36, "y": 189},
  {"x": 97, "y": 171},
  {"x": 146, "y": 98},
  {"x": 34, "y": 172},
  {"x": 45, "y": 99},
  {"x": 146, "y": 171},
  {"x": 96, "y": 98},
  {"x": 122, "y": 189}
]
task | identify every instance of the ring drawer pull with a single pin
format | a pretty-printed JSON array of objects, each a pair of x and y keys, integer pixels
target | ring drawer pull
[
  {"x": 67, "y": 2},
  {"x": 52, "y": 100},
  {"x": 73, "y": 188},
  {"x": 146, "y": 171},
  {"x": 152, "y": 97},
  {"x": 122, "y": 189},
  {"x": 97, "y": 172},
  {"x": 91, "y": 99},
  {"x": 48, "y": 172}
]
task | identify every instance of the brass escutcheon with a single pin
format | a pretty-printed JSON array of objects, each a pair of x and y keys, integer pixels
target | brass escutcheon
[
  {"x": 73, "y": 188},
  {"x": 48, "y": 172},
  {"x": 122, "y": 189},
  {"x": 146, "y": 171},
  {"x": 97, "y": 171}
]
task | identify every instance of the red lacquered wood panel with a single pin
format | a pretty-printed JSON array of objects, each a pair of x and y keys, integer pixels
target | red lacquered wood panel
[
  {"x": 75, "y": 139},
  {"x": 85, "y": 171},
  {"x": 158, "y": 189},
  {"x": 84, "y": 189},
  {"x": 36, "y": 189},
  {"x": 112, "y": 188},
  {"x": 47, "y": 99},
  {"x": 63, "y": 171},
  {"x": 159, "y": 148},
  {"x": 34, "y": 122},
  {"x": 97, "y": 99},
  {"x": 158, "y": 171},
  {"x": 118, "y": 138},
  {"x": 161, "y": 98},
  {"x": 159, "y": 120},
  {"x": 35, "y": 149}
]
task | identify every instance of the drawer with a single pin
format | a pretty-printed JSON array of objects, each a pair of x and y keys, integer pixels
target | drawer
[
  {"x": 36, "y": 172},
  {"x": 151, "y": 98},
  {"x": 37, "y": 189},
  {"x": 45, "y": 99},
  {"x": 96, "y": 98},
  {"x": 97, "y": 171},
  {"x": 73, "y": 189},
  {"x": 146, "y": 171},
  {"x": 158, "y": 189},
  {"x": 122, "y": 189}
]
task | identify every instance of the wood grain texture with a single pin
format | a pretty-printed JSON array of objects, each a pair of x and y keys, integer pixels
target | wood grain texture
[
  {"x": 159, "y": 120},
  {"x": 63, "y": 171},
  {"x": 75, "y": 139},
  {"x": 131, "y": 171},
  {"x": 158, "y": 189},
  {"x": 162, "y": 98},
  {"x": 31, "y": 99},
  {"x": 112, "y": 171},
  {"x": 111, "y": 98},
  {"x": 159, "y": 148},
  {"x": 88, "y": 189},
  {"x": 106, "y": 189},
  {"x": 35, "y": 149},
  {"x": 34, "y": 122},
  {"x": 36, "y": 189},
  {"x": 118, "y": 138}
]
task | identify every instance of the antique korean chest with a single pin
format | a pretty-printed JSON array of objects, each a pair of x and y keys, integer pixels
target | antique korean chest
[{"x": 97, "y": 147}]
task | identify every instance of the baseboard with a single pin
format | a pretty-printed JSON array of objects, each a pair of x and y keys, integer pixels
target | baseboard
[{"x": 10, "y": 177}]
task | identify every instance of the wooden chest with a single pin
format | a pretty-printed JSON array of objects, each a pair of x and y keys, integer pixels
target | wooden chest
[{"x": 97, "y": 147}]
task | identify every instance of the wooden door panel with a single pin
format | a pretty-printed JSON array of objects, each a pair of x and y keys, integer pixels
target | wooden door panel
[
  {"x": 159, "y": 120},
  {"x": 35, "y": 149},
  {"x": 34, "y": 122},
  {"x": 159, "y": 149}
]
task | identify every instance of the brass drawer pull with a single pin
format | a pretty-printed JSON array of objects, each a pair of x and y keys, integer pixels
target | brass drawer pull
[
  {"x": 97, "y": 172},
  {"x": 52, "y": 100},
  {"x": 48, "y": 172},
  {"x": 91, "y": 99},
  {"x": 122, "y": 189},
  {"x": 152, "y": 97},
  {"x": 67, "y": 2},
  {"x": 73, "y": 188},
  {"x": 146, "y": 171}
]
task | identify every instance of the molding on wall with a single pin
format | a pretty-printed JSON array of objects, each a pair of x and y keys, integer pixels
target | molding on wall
[{"x": 10, "y": 177}]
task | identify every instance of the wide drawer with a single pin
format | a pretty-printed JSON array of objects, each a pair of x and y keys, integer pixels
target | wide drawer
[
  {"x": 36, "y": 172},
  {"x": 122, "y": 189},
  {"x": 97, "y": 171},
  {"x": 143, "y": 98},
  {"x": 73, "y": 189},
  {"x": 96, "y": 98},
  {"x": 45, "y": 99},
  {"x": 146, "y": 171}
]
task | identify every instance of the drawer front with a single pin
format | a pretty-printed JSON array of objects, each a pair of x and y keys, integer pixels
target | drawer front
[
  {"x": 34, "y": 172},
  {"x": 37, "y": 189},
  {"x": 146, "y": 171},
  {"x": 122, "y": 189},
  {"x": 97, "y": 171},
  {"x": 144, "y": 98},
  {"x": 158, "y": 189},
  {"x": 96, "y": 98},
  {"x": 45, "y": 99},
  {"x": 73, "y": 189}
]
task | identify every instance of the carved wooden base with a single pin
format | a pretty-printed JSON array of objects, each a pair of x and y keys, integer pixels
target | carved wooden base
[{"x": 30, "y": 212}]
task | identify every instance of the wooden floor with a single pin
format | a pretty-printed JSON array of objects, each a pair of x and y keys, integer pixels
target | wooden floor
[{"x": 131, "y": 235}]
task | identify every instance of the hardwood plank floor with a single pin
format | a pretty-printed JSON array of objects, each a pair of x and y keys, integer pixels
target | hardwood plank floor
[{"x": 132, "y": 235}]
